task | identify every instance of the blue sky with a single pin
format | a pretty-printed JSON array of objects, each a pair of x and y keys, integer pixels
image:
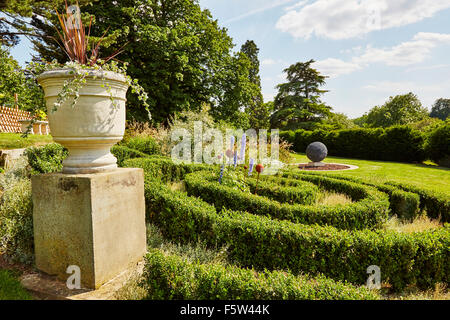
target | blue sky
[{"x": 371, "y": 49}]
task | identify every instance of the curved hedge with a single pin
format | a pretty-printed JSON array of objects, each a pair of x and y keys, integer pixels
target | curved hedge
[
  {"x": 261, "y": 242},
  {"x": 437, "y": 205},
  {"x": 369, "y": 212},
  {"x": 404, "y": 204},
  {"x": 123, "y": 153},
  {"x": 171, "y": 277},
  {"x": 146, "y": 145},
  {"x": 406, "y": 200},
  {"x": 298, "y": 193}
]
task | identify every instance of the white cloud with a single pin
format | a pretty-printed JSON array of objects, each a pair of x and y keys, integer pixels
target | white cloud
[
  {"x": 403, "y": 87},
  {"x": 343, "y": 19},
  {"x": 405, "y": 54},
  {"x": 268, "y": 62},
  {"x": 335, "y": 67},
  {"x": 271, "y": 62}
]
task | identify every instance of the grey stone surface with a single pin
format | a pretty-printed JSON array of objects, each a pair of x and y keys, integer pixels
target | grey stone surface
[
  {"x": 8, "y": 157},
  {"x": 93, "y": 221},
  {"x": 316, "y": 151}
]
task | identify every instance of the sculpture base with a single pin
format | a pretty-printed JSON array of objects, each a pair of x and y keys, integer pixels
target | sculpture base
[{"x": 93, "y": 221}]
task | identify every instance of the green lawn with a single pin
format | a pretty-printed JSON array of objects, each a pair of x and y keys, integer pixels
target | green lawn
[
  {"x": 426, "y": 176},
  {"x": 10, "y": 287},
  {"x": 15, "y": 141}
]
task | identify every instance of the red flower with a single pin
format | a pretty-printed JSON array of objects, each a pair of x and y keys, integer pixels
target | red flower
[{"x": 259, "y": 168}]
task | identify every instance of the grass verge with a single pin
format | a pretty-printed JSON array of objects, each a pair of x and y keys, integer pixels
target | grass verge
[
  {"x": 15, "y": 141},
  {"x": 10, "y": 287}
]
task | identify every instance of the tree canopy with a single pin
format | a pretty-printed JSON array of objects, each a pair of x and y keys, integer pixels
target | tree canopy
[
  {"x": 298, "y": 100},
  {"x": 14, "y": 81},
  {"x": 441, "y": 109},
  {"x": 398, "y": 110},
  {"x": 177, "y": 51},
  {"x": 258, "y": 112}
]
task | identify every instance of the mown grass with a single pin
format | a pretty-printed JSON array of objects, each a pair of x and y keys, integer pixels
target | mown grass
[
  {"x": 426, "y": 176},
  {"x": 10, "y": 287},
  {"x": 15, "y": 140}
]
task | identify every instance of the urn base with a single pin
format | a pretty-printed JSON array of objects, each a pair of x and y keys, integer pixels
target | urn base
[{"x": 89, "y": 155}]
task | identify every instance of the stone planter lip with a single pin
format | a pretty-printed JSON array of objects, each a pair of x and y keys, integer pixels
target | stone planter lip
[
  {"x": 93, "y": 73},
  {"x": 24, "y": 120}
]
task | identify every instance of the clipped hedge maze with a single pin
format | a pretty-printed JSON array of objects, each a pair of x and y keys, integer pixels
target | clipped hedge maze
[{"x": 262, "y": 232}]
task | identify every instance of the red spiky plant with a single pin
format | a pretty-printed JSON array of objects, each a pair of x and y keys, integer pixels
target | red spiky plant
[{"x": 75, "y": 43}]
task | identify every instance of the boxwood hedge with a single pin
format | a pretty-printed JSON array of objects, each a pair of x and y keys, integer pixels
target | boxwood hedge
[
  {"x": 407, "y": 200},
  {"x": 369, "y": 212},
  {"x": 171, "y": 277},
  {"x": 405, "y": 205},
  {"x": 398, "y": 143},
  {"x": 263, "y": 243},
  {"x": 299, "y": 192}
]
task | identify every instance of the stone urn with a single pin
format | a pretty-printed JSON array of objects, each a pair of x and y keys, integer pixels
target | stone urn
[{"x": 93, "y": 125}]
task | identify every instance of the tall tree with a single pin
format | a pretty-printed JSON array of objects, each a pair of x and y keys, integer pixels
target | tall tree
[
  {"x": 258, "y": 112},
  {"x": 175, "y": 49},
  {"x": 441, "y": 109},
  {"x": 13, "y": 81},
  {"x": 298, "y": 100},
  {"x": 398, "y": 110},
  {"x": 11, "y": 11}
]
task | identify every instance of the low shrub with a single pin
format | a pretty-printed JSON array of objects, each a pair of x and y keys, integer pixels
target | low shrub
[
  {"x": 46, "y": 159},
  {"x": 164, "y": 169},
  {"x": 369, "y": 212},
  {"x": 438, "y": 146},
  {"x": 399, "y": 143},
  {"x": 261, "y": 242},
  {"x": 404, "y": 204},
  {"x": 420, "y": 258},
  {"x": 171, "y": 277},
  {"x": 298, "y": 193},
  {"x": 437, "y": 205},
  {"x": 16, "y": 221},
  {"x": 49, "y": 158},
  {"x": 146, "y": 145},
  {"x": 123, "y": 153}
]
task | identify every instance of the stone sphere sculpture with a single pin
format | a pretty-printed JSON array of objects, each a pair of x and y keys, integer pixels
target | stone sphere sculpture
[{"x": 316, "y": 151}]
